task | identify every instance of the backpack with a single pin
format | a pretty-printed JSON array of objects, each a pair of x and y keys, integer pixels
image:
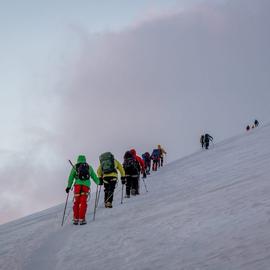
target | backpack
[
  {"x": 107, "y": 163},
  {"x": 82, "y": 170},
  {"x": 156, "y": 154},
  {"x": 130, "y": 164},
  {"x": 207, "y": 138},
  {"x": 146, "y": 157}
]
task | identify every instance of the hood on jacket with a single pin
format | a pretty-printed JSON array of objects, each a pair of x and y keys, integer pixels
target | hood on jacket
[
  {"x": 81, "y": 159},
  {"x": 128, "y": 154},
  {"x": 147, "y": 154},
  {"x": 133, "y": 152}
]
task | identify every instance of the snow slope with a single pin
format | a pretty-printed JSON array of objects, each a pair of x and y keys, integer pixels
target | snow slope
[{"x": 210, "y": 210}]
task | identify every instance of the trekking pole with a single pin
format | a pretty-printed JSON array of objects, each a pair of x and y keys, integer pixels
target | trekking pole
[
  {"x": 122, "y": 194},
  {"x": 72, "y": 165},
  {"x": 63, "y": 219},
  {"x": 145, "y": 185},
  {"x": 95, "y": 209},
  {"x": 67, "y": 215},
  {"x": 98, "y": 195},
  {"x": 65, "y": 210},
  {"x": 112, "y": 193}
]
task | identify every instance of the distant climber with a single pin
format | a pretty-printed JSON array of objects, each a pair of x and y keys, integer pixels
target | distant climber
[
  {"x": 156, "y": 159},
  {"x": 147, "y": 162},
  {"x": 256, "y": 123},
  {"x": 142, "y": 170},
  {"x": 207, "y": 139},
  {"x": 202, "y": 140},
  {"x": 162, "y": 153},
  {"x": 247, "y": 128},
  {"x": 108, "y": 175},
  {"x": 132, "y": 169},
  {"x": 80, "y": 174}
]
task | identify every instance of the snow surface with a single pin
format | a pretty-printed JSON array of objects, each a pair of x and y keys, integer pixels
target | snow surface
[{"x": 210, "y": 210}]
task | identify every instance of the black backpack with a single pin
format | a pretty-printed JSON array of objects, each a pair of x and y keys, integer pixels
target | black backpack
[
  {"x": 146, "y": 157},
  {"x": 130, "y": 164},
  {"x": 82, "y": 170},
  {"x": 207, "y": 138}
]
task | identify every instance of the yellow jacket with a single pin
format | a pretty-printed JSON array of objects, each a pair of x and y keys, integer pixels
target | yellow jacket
[
  {"x": 118, "y": 166},
  {"x": 162, "y": 151}
]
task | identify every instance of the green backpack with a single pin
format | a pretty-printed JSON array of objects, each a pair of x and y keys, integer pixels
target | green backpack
[{"x": 107, "y": 163}]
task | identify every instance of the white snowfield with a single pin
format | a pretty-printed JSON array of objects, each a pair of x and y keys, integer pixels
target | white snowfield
[{"x": 210, "y": 210}]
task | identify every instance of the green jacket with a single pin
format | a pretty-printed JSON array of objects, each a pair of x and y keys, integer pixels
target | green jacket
[{"x": 73, "y": 175}]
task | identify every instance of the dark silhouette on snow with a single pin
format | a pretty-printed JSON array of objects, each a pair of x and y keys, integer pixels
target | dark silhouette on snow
[
  {"x": 207, "y": 139},
  {"x": 202, "y": 140}
]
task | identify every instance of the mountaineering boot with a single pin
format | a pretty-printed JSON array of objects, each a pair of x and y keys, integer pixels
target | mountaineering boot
[
  {"x": 127, "y": 196},
  {"x": 133, "y": 192},
  {"x": 75, "y": 221},
  {"x": 108, "y": 205},
  {"x": 83, "y": 222}
]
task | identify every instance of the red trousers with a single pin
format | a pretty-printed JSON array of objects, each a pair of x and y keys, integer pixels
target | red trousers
[
  {"x": 80, "y": 201},
  {"x": 155, "y": 165}
]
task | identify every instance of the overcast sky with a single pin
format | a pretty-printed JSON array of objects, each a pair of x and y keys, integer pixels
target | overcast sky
[{"x": 92, "y": 76}]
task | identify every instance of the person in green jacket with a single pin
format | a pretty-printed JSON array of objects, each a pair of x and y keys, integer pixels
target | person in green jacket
[
  {"x": 80, "y": 174},
  {"x": 107, "y": 173}
]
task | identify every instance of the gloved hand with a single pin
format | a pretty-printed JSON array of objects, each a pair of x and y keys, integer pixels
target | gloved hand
[
  {"x": 100, "y": 181},
  {"x": 123, "y": 180},
  {"x": 67, "y": 189}
]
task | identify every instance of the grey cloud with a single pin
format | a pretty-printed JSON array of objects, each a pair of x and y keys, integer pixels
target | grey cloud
[
  {"x": 177, "y": 74},
  {"x": 165, "y": 81}
]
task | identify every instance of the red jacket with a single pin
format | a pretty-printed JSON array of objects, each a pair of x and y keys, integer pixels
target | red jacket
[{"x": 141, "y": 162}]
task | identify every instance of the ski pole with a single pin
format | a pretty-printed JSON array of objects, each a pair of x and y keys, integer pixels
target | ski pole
[
  {"x": 98, "y": 195},
  {"x": 122, "y": 194},
  {"x": 112, "y": 193},
  {"x": 73, "y": 166},
  {"x": 63, "y": 219},
  {"x": 95, "y": 209},
  {"x": 145, "y": 185},
  {"x": 64, "y": 210},
  {"x": 67, "y": 215}
]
